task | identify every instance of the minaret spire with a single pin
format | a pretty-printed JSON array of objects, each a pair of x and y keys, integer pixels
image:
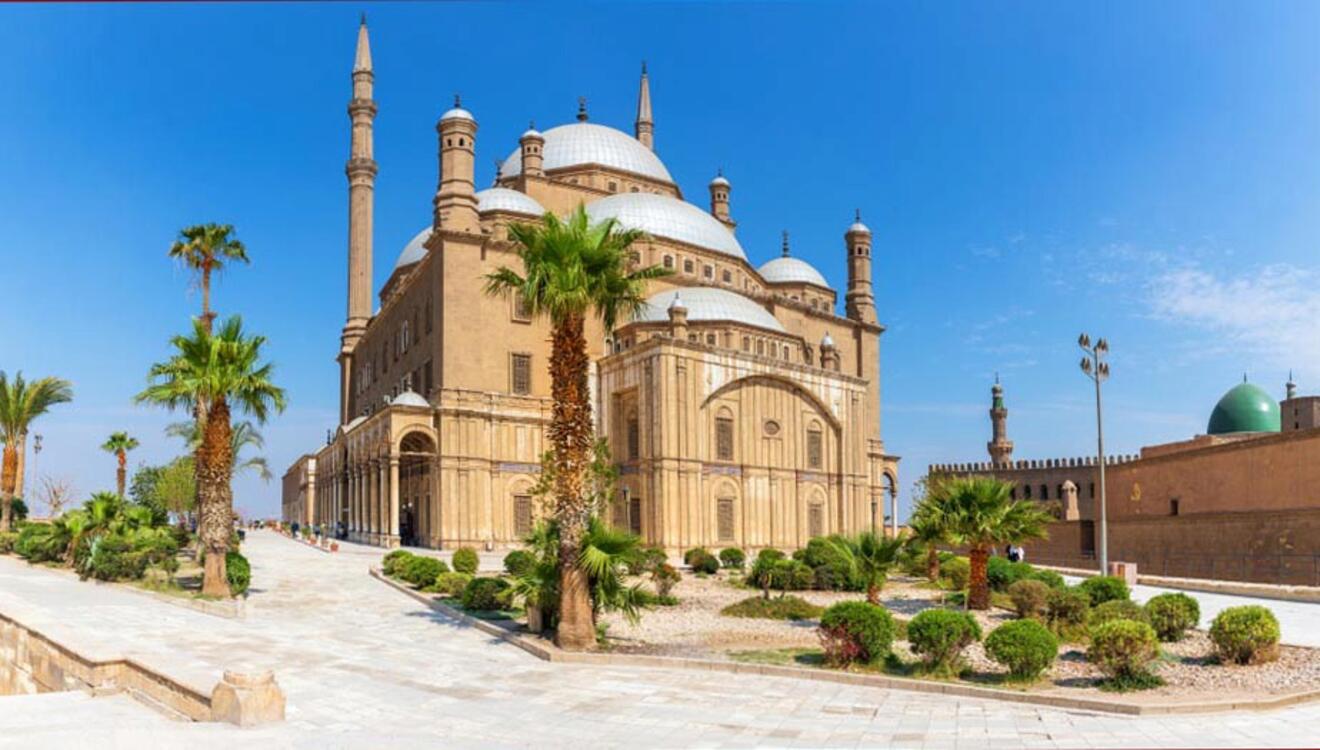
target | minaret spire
[
  {"x": 361, "y": 171},
  {"x": 784, "y": 244},
  {"x": 1000, "y": 447},
  {"x": 645, "y": 126}
]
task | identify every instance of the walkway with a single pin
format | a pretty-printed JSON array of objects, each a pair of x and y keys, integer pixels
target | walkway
[{"x": 364, "y": 666}]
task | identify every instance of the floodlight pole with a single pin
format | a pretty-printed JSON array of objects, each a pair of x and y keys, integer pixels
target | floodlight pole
[{"x": 1095, "y": 368}]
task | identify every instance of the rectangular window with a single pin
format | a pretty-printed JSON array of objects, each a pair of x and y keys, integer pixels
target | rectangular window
[
  {"x": 522, "y": 374},
  {"x": 522, "y": 515},
  {"x": 724, "y": 439},
  {"x": 634, "y": 439},
  {"x": 619, "y": 516},
  {"x": 687, "y": 266},
  {"x": 814, "y": 449},
  {"x": 724, "y": 520},
  {"x": 635, "y": 516},
  {"x": 710, "y": 339},
  {"x": 728, "y": 277},
  {"x": 815, "y": 521},
  {"x": 521, "y": 312},
  {"x": 708, "y": 272}
]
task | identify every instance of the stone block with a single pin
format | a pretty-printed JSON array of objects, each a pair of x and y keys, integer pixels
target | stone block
[{"x": 247, "y": 699}]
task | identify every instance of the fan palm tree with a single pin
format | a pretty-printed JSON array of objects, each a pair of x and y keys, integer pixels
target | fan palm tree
[
  {"x": 21, "y": 402},
  {"x": 244, "y": 434},
  {"x": 216, "y": 370},
  {"x": 120, "y": 443},
  {"x": 205, "y": 249},
  {"x": 573, "y": 269},
  {"x": 981, "y": 514},
  {"x": 870, "y": 558},
  {"x": 927, "y": 529}
]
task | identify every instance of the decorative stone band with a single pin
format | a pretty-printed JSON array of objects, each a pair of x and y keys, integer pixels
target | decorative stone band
[
  {"x": 510, "y": 467},
  {"x": 721, "y": 470}
]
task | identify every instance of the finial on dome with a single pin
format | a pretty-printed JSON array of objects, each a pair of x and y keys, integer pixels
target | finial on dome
[
  {"x": 677, "y": 303},
  {"x": 582, "y": 109},
  {"x": 364, "y": 18},
  {"x": 458, "y": 101},
  {"x": 1244, "y": 377},
  {"x": 996, "y": 377},
  {"x": 531, "y": 124},
  {"x": 785, "y": 243},
  {"x": 857, "y": 215},
  {"x": 643, "y": 67}
]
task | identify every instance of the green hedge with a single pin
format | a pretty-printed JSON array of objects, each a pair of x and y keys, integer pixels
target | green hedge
[
  {"x": 421, "y": 571},
  {"x": 856, "y": 632},
  {"x": 1101, "y": 589},
  {"x": 1117, "y": 609},
  {"x": 485, "y": 594},
  {"x": 451, "y": 584},
  {"x": 732, "y": 557},
  {"x": 777, "y": 608},
  {"x": 239, "y": 573}
]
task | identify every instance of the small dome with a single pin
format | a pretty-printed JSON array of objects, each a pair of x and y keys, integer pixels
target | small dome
[
  {"x": 457, "y": 113},
  {"x": 663, "y": 216},
  {"x": 719, "y": 181},
  {"x": 504, "y": 199},
  {"x": 588, "y": 143},
  {"x": 415, "y": 250},
  {"x": 676, "y": 303},
  {"x": 857, "y": 226},
  {"x": 1245, "y": 408},
  {"x": 531, "y": 132},
  {"x": 792, "y": 271},
  {"x": 409, "y": 398},
  {"x": 349, "y": 427},
  {"x": 827, "y": 341},
  {"x": 709, "y": 304}
]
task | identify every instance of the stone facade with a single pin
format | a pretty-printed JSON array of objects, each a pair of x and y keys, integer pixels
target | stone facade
[{"x": 445, "y": 390}]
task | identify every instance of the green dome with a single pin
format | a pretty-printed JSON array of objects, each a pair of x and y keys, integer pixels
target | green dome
[{"x": 1245, "y": 408}]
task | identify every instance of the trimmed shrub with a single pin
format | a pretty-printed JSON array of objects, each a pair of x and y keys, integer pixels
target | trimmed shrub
[
  {"x": 393, "y": 562},
  {"x": 1172, "y": 615},
  {"x": 421, "y": 571},
  {"x": 1123, "y": 649},
  {"x": 1067, "y": 609},
  {"x": 704, "y": 562},
  {"x": 821, "y": 552},
  {"x": 1118, "y": 609},
  {"x": 451, "y": 584},
  {"x": 956, "y": 571},
  {"x": 939, "y": 636},
  {"x": 516, "y": 562},
  {"x": 791, "y": 575},
  {"x": 692, "y": 554},
  {"x": 1030, "y": 598},
  {"x": 1001, "y": 573},
  {"x": 465, "y": 560},
  {"x": 1025, "y": 647},
  {"x": 732, "y": 557},
  {"x": 646, "y": 560},
  {"x": 856, "y": 632},
  {"x": 1047, "y": 577},
  {"x": 40, "y": 542},
  {"x": 112, "y": 559},
  {"x": 7, "y": 541},
  {"x": 778, "y": 608},
  {"x": 484, "y": 593},
  {"x": 1246, "y": 635},
  {"x": 239, "y": 573},
  {"x": 1101, "y": 589},
  {"x": 664, "y": 576}
]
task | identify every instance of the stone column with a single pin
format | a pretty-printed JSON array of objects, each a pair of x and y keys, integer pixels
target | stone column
[
  {"x": 386, "y": 490},
  {"x": 394, "y": 501}
]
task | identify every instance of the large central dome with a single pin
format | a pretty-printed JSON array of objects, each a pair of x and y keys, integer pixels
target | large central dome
[
  {"x": 663, "y": 216},
  {"x": 588, "y": 143},
  {"x": 1245, "y": 408}
]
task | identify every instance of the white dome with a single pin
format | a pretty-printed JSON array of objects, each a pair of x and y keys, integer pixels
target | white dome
[
  {"x": 504, "y": 199},
  {"x": 349, "y": 427},
  {"x": 789, "y": 270},
  {"x": 457, "y": 113},
  {"x": 588, "y": 143},
  {"x": 663, "y": 216},
  {"x": 719, "y": 181},
  {"x": 859, "y": 227},
  {"x": 409, "y": 398},
  {"x": 414, "y": 251},
  {"x": 708, "y": 303}
]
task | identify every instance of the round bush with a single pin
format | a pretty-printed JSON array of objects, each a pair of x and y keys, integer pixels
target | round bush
[
  {"x": 856, "y": 632},
  {"x": 484, "y": 593},
  {"x": 692, "y": 554},
  {"x": 466, "y": 561},
  {"x": 1123, "y": 648},
  {"x": 665, "y": 577},
  {"x": 239, "y": 573},
  {"x": 1001, "y": 573},
  {"x": 957, "y": 570},
  {"x": 939, "y": 636},
  {"x": 392, "y": 565},
  {"x": 822, "y": 552},
  {"x": 421, "y": 571},
  {"x": 704, "y": 562},
  {"x": 516, "y": 562},
  {"x": 1048, "y": 577},
  {"x": 732, "y": 557},
  {"x": 647, "y": 559},
  {"x": 1101, "y": 589},
  {"x": 1030, "y": 598},
  {"x": 1172, "y": 615},
  {"x": 1025, "y": 647},
  {"x": 451, "y": 584},
  {"x": 1118, "y": 609},
  {"x": 1067, "y": 608},
  {"x": 1246, "y": 635},
  {"x": 791, "y": 575}
]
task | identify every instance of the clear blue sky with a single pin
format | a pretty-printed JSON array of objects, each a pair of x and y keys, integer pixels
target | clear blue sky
[{"x": 1145, "y": 171}]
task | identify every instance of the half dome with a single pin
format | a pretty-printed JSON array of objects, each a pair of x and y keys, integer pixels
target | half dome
[
  {"x": 589, "y": 143},
  {"x": 708, "y": 304},
  {"x": 504, "y": 199},
  {"x": 792, "y": 271},
  {"x": 409, "y": 398},
  {"x": 415, "y": 250},
  {"x": 663, "y": 216},
  {"x": 1245, "y": 408}
]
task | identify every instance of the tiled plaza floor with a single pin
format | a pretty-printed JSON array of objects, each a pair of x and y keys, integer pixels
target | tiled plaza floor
[{"x": 364, "y": 666}]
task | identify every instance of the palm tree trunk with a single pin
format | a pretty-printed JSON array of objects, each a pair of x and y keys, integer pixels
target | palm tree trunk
[
  {"x": 570, "y": 436},
  {"x": 8, "y": 469},
  {"x": 207, "y": 315},
  {"x": 20, "y": 471},
  {"x": 121, "y": 473},
  {"x": 978, "y": 583},
  {"x": 933, "y": 563},
  {"x": 215, "y": 498},
  {"x": 872, "y": 593}
]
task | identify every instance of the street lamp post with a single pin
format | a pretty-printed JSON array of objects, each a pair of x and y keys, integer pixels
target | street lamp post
[
  {"x": 1095, "y": 368},
  {"x": 873, "y": 509},
  {"x": 36, "y": 452}
]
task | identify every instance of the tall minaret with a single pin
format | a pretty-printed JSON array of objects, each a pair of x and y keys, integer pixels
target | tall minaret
[
  {"x": 361, "y": 170},
  {"x": 456, "y": 196},
  {"x": 645, "y": 127},
  {"x": 1000, "y": 447},
  {"x": 1290, "y": 388},
  {"x": 860, "y": 302}
]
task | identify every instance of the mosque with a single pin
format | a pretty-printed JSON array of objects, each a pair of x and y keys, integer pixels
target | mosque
[{"x": 740, "y": 407}]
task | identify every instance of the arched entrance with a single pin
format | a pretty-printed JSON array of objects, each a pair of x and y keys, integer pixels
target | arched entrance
[{"x": 416, "y": 518}]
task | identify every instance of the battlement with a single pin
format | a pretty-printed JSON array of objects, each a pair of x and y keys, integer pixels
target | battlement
[{"x": 1029, "y": 464}]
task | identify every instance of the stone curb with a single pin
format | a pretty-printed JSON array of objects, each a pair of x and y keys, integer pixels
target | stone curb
[
  {"x": 1307, "y": 594},
  {"x": 546, "y": 652}
]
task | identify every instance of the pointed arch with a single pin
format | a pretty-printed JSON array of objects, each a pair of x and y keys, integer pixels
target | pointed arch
[{"x": 779, "y": 380}]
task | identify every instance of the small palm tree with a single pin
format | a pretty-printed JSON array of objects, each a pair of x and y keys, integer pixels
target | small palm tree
[
  {"x": 870, "y": 558},
  {"x": 573, "y": 269},
  {"x": 981, "y": 514},
  {"x": 927, "y": 530},
  {"x": 215, "y": 370},
  {"x": 205, "y": 249},
  {"x": 120, "y": 443},
  {"x": 21, "y": 402}
]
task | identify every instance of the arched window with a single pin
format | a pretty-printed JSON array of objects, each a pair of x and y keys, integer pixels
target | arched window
[
  {"x": 724, "y": 438},
  {"x": 815, "y": 448},
  {"x": 1044, "y": 492},
  {"x": 669, "y": 261}
]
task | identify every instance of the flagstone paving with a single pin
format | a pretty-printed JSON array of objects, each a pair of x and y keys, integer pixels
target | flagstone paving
[{"x": 365, "y": 666}]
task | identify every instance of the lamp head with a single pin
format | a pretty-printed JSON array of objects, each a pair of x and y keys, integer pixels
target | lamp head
[
  {"x": 1084, "y": 341},
  {"x": 1102, "y": 346},
  {"x": 1086, "y": 365}
]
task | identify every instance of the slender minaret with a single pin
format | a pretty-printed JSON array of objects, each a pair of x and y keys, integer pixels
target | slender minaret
[
  {"x": 532, "y": 144},
  {"x": 456, "y": 196},
  {"x": 860, "y": 302},
  {"x": 645, "y": 126},
  {"x": 719, "y": 199},
  {"x": 1290, "y": 388},
  {"x": 1000, "y": 447},
  {"x": 361, "y": 170}
]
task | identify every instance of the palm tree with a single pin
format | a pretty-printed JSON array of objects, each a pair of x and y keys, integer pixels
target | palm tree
[
  {"x": 216, "y": 370},
  {"x": 22, "y": 402},
  {"x": 870, "y": 558},
  {"x": 120, "y": 444},
  {"x": 205, "y": 249},
  {"x": 244, "y": 434},
  {"x": 573, "y": 269},
  {"x": 981, "y": 514},
  {"x": 926, "y": 531}
]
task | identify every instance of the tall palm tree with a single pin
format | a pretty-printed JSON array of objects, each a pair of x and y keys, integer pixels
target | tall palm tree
[
  {"x": 205, "y": 249},
  {"x": 573, "y": 269},
  {"x": 243, "y": 435},
  {"x": 216, "y": 370},
  {"x": 120, "y": 443},
  {"x": 981, "y": 514},
  {"x": 20, "y": 403},
  {"x": 870, "y": 558},
  {"x": 927, "y": 529}
]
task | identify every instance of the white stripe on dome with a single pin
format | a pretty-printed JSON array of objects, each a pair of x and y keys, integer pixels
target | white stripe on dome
[
  {"x": 709, "y": 304},
  {"x": 663, "y": 216},
  {"x": 589, "y": 143},
  {"x": 792, "y": 271}
]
